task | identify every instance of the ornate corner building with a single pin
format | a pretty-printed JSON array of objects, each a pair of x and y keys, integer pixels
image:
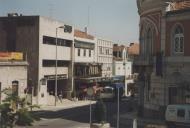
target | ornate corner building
[{"x": 164, "y": 62}]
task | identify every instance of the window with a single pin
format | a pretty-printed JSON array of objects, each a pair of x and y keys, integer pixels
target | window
[
  {"x": 60, "y": 42},
  {"x": 89, "y": 53},
  {"x": 181, "y": 113},
  {"x": 51, "y": 63},
  {"x": 115, "y": 53},
  {"x": 15, "y": 84},
  {"x": 100, "y": 48},
  {"x": 107, "y": 51},
  {"x": 120, "y": 54},
  {"x": 78, "y": 52},
  {"x": 178, "y": 40},
  {"x": 84, "y": 53}
]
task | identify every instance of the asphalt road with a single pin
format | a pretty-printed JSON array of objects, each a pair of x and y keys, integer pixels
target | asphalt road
[{"x": 79, "y": 117}]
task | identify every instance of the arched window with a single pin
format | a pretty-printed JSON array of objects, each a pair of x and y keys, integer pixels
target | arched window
[
  {"x": 142, "y": 43},
  {"x": 149, "y": 41},
  {"x": 178, "y": 40},
  {"x": 15, "y": 84}
]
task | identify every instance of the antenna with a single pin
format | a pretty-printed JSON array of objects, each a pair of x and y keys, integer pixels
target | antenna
[
  {"x": 51, "y": 10},
  {"x": 88, "y": 16}
]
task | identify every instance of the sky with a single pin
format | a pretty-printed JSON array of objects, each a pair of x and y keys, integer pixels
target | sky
[{"x": 115, "y": 20}]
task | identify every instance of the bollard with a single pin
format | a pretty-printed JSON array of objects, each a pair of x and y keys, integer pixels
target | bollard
[{"x": 135, "y": 123}]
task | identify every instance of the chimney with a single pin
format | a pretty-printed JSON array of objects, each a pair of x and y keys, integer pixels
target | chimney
[
  {"x": 131, "y": 44},
  {"x": 12, "y": 14},
  {"x": 86, "y": 30},
  {"x": 115, "y": 45}
]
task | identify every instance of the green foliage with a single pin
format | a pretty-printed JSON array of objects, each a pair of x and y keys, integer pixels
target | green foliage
[
  {"x": 24, "y": 117},
  {"x": 15, "y": 110},
  {"x": 100, "y": 112},
  {"x": 7, "y": 116}
]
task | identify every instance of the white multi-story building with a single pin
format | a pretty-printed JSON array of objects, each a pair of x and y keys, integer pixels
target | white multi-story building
[
  {"x": 84, "y": 48},
  {"x": 86, "y": 70},
  {"x": 123, "y": 64},
  {"x": 46, "y": 41},
  {"x": 104, "y": 55}
]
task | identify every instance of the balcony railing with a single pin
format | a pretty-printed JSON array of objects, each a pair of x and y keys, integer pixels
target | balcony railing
[{"x": 132, "y": 76}]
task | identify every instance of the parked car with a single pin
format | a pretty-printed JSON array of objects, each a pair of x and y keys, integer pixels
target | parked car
[{"x": 178, "y": 115}]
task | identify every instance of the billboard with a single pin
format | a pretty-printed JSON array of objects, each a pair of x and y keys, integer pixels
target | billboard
[{"x": 11, "y": 56}]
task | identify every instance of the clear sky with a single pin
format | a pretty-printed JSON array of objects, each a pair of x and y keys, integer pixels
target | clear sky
[{"x": 115, "y": 20}]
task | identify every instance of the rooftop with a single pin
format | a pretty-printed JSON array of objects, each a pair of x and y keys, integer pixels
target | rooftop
[
  {"x": 179, "y": 5},
  {"x": 81, "y": 34},
  {"x": 133, "y": 49}
]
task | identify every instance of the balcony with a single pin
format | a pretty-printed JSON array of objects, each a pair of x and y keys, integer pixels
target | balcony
[{"x": 132, "y": 76}]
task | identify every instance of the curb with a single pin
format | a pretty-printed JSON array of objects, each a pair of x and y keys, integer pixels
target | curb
[{"x": 62, "y": 107}]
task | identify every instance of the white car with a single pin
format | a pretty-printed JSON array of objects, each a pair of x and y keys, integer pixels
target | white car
[
  {"x": 107, "y": 93},
  {"x": 178, "y": 115}
]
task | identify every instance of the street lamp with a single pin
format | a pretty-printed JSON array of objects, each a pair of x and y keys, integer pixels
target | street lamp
[{"x": 56, "y": 65}]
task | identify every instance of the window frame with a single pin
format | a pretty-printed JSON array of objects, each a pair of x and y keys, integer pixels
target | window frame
[
  {"x": 179, "y": 36},
  {"x": 90, "y": 53},
  {"x": 84, "y": 52},
  {"x": 78, "y": 51}
]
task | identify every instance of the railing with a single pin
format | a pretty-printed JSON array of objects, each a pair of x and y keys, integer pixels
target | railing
[{"x": 132, "y": 76}]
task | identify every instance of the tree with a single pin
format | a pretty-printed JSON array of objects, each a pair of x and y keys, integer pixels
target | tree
[{"x": 15, "y": 110}]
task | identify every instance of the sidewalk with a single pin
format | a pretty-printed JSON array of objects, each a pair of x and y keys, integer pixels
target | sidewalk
[{"x": 65, "y": 104}]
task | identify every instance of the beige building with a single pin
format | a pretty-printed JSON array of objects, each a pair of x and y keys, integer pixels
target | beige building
[{"x": 13, "y": 75}]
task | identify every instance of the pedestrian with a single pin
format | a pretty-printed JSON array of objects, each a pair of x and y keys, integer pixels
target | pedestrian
[{"x": 60, "y": 96}]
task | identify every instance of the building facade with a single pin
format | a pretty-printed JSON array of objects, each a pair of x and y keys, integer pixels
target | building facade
[
  {"x": 86, "y": 70},
  {"x": 48, "y": 45},
  {"x": 123, "y": 57},
  {"x": 104, "y": 55},
  {"x": 164, "y": 55}
]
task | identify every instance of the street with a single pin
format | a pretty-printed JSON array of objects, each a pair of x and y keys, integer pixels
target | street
[{"x": 79, "y": 117}]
